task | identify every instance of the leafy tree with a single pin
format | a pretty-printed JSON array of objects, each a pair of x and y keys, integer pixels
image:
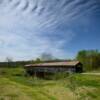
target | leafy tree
[{"x": 89, "y": 58}]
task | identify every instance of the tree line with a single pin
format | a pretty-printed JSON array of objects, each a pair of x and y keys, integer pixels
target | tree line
[{"x": 89, "y": 58}]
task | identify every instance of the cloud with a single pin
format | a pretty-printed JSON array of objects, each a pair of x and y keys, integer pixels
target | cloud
[{"x": 30, "y": 27}]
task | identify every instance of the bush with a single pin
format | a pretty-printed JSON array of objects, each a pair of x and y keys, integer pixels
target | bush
[
  {"x": 56, "y": 76},
  {"x": 12, "y": 71}
]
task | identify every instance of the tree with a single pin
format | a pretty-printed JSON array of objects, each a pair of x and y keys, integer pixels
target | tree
[
  {"x": 9, "y": 61},
  {"x": 89, "y": 58},
  {"x": 81, "y": 56},
  {"x": 38, "y": 60}
]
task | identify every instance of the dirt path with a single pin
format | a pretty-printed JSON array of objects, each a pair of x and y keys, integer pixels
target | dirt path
[{"x": 91, "y": 73}]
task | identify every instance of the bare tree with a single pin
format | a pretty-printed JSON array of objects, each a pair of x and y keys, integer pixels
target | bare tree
[
  {"x": 9, "y": 61},
  {"x": 46, "y": 56}
]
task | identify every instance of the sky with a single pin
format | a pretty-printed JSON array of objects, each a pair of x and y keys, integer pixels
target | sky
[{"x": 29, "y": 28}]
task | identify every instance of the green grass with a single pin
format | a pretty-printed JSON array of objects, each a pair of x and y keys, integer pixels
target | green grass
[
  {"x": 95, "y": 71},
  {"x": 88, "y": 80},
  {"x": 15, "y": 86}
]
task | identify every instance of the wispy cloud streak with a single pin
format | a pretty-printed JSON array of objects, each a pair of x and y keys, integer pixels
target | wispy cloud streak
[{"x": 31, "y": 26}]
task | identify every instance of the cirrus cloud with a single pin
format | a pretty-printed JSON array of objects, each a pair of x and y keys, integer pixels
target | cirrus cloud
[{"x": 31, "y": 27}]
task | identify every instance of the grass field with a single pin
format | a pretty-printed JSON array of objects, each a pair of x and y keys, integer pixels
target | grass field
[{"x": 15, "y": 86}]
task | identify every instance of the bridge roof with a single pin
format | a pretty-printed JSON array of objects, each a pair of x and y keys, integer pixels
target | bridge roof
[{"x": 65, "y": 63}]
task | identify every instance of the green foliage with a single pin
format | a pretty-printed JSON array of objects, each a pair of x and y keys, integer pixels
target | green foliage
[
  {"x": 56, "y": 76},
  {"x": 12, "y": 71},
  {"x": 38, "y": 60},
  {"x": 60, "y": 75},
  {"x": 89, "y": 58},
  {"x": 88, "y": 80},
  {"x": 72, "y": 83},
  {"x": 80, "y": 84}
]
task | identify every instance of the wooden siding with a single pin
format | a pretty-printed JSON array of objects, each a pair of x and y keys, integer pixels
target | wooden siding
[{"x": 53, "y": 69}]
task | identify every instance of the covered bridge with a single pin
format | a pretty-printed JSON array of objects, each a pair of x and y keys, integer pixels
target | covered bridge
[{"x": 53, "y": 67}]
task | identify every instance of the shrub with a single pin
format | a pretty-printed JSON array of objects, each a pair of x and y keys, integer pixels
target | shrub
[{"x": 56, "y": 76}]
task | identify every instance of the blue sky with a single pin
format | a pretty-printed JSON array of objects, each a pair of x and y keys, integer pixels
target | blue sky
[{"x": 29, "y": 28}]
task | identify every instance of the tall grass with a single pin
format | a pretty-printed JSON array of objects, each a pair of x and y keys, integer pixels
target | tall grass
[{"x": 83, "y": 87}]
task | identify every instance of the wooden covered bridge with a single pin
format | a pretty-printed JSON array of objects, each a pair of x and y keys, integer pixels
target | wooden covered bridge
[{"x": 54, "y": 67}]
